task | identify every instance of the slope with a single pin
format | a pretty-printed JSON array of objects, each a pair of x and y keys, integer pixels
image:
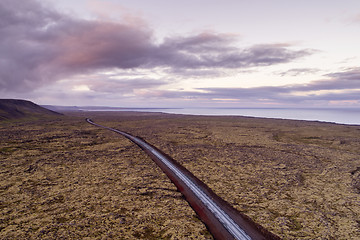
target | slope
[{"x": 16, "y": 109}]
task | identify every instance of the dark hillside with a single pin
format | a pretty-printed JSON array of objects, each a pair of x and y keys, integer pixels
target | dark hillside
[{"x": 15, "y": 109}]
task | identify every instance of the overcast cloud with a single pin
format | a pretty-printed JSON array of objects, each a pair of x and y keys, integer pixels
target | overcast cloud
[
  {"x": 340, "y": 86},
  {"x": 39, "y": 45},
  {"x": 50, "y": 55},
  {"x": 298, "y": 71}
]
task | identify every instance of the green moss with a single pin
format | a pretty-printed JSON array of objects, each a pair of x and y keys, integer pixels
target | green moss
[
  {"x": 149, "y": 233},
  {"x": 294, "y": 224},
  {"x": 7, "y": 150},
  {"x": 85, "y": 182},
  {"x": 61, "y": 219}
]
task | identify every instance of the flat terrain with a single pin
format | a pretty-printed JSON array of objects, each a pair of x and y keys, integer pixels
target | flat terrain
[{"x": 63, "y": 178}]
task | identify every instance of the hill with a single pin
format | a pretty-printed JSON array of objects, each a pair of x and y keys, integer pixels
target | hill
[{"x": 16, "y": 109}]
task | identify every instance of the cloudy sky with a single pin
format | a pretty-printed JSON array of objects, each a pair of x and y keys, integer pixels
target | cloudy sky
[{"x": 165, "y": 53}]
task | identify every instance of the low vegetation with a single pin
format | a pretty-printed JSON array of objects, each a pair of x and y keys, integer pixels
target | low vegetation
[
  {"x": 12, "y": 109},
  {"x": 63, "y": 178}
]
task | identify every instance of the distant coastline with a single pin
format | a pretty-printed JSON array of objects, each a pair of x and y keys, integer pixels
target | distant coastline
[{"x": 350, "y": 116}]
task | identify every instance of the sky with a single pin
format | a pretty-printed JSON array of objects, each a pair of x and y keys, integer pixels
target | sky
[{"x": 166, "y": 53}]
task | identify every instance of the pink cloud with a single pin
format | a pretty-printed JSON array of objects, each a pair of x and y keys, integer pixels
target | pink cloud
[
  {"x": 102, "y": 44},
  {"x": 357, "y": 18},
  {"x": 109, "y": 11},
  {"x": 40, "y": 45}
]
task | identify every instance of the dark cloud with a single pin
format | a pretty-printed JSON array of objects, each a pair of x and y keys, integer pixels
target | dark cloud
[
  {"x": 340, "y": 86},
  {"x": 298, "y": 71},
  {"x": 196, "y": 73},
  {"x": 123, "y": 86},
  {"x": 23, "y": 42},
  {"x": 352, "y": 74},
  {"x": 209, "y": 50},
  {"x": 349, "y": 79},
  {"x": 39, "y": 45}
]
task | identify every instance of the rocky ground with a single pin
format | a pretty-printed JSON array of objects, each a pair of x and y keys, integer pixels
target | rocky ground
[{"x": 62, "y": 178}]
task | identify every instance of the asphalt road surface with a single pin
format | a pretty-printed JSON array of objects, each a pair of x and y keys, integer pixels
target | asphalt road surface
[{"x": 223, "y": 221}]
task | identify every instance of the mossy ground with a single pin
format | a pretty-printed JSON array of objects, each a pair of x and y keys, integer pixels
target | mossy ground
[{"x": 62, "y": 178}]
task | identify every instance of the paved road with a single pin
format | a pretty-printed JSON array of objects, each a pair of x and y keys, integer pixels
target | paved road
[{"x": 222, "y": 222}]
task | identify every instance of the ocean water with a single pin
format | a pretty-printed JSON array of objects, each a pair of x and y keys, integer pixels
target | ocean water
[{"x": 342, "y": 116}]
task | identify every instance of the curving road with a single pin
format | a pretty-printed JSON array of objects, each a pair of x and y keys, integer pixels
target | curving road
[{"x": 223, "y": 221}]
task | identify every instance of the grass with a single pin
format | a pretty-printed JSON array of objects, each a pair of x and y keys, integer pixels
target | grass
[{"x": 63, "y": 178}]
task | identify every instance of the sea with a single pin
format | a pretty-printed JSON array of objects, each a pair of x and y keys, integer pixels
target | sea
[{"x": 350, "y": 116}]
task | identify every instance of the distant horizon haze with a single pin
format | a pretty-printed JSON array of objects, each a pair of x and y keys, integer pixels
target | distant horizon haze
[{"x": 332, "y": 115}]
